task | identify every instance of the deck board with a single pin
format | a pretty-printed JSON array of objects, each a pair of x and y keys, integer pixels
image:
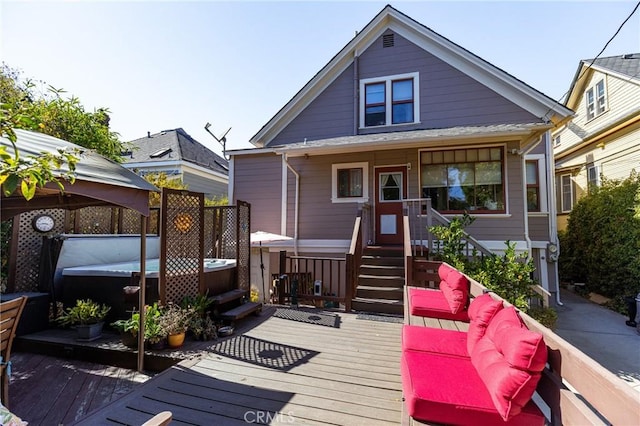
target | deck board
[{"x": 291, "y": 371}]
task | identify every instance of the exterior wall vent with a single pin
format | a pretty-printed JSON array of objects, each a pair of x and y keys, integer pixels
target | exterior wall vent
[{"x": 388, "y": 40}]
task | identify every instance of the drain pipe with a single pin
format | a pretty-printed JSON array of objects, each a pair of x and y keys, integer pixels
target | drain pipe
[
  {"x": 296, "y": 204},
  {"x": 551, "y": 201}
]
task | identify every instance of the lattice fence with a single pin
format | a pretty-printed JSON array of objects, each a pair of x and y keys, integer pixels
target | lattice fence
[
  {"x": 26, "y": 246},
  {"x": 244, "y": 245},
  {"x": 182, "y": 245}
]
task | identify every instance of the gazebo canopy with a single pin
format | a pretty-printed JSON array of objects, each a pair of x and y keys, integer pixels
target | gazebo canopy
[{"x": 99, "y": 181}]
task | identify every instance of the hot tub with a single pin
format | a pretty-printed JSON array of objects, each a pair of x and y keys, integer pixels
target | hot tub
[{"x": 105, "y": 283}]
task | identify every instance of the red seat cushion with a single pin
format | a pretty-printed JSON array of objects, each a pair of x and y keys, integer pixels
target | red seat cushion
[
  {"x": 432, "y": 304},
  {"x": 448, "y": 390},
  {"x": 436, "y": 340}
]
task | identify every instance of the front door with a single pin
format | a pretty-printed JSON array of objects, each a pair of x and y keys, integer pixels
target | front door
[{"x": 391, "y": 189}]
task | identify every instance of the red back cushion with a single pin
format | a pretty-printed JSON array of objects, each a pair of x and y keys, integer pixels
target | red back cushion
[
  {"x": 509, "y": 359},
  {"x": 481, "y": 310},
  {"x": 454, "y": 287}
]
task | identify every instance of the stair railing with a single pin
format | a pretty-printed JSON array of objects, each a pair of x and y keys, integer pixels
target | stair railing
[
  {"x": 354, "y": 256},
  {"x": 421, "y": 217}
]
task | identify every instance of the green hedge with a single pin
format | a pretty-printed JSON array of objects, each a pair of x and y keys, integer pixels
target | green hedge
[{"x": 601, "y": 245}]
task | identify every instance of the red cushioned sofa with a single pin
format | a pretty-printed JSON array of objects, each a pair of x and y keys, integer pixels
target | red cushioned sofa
[
  {"x": 485, "y": 376},
  {"x": 450, "y": 302}
]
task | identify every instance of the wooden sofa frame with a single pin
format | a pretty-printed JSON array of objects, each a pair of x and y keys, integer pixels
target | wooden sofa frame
[{"x": 576, "y": 389}]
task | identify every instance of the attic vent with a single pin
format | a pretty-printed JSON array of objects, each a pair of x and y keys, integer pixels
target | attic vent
[
  {"x": 161, "y": 153},
  {"x": 388, "y": 40}
]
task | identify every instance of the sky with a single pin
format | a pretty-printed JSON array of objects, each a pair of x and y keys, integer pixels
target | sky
[{"x": 159, "y": 65}]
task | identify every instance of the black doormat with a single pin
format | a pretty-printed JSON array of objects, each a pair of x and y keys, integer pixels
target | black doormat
[
  {"x": 381, "y": 318},
  {"x": 308, "y": 316}
]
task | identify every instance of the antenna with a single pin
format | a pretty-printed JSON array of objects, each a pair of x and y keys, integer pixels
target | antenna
[{"x": 222, "y": 140}]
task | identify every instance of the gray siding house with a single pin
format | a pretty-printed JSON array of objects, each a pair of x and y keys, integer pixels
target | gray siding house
[
  {"x": 402, "y": 113},
  {"x": 178, "y": 155}
]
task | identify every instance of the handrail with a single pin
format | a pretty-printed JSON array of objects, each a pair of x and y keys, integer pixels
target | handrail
[
  {"x": 425, "y": 210},
  {"x": 408, "y": 253},
  {"x": 353, "y": 259}
]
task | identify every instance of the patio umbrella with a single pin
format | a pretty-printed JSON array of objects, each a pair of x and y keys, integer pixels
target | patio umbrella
[{"x": 259, "y": 237}]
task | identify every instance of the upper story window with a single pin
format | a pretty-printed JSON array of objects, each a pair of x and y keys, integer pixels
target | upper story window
[
  {"x": 349, "y": 182},
  {"x": 464, "y": 179},
  {"x": 596, "y": 100},
  {"x": 389, "y": 100}
]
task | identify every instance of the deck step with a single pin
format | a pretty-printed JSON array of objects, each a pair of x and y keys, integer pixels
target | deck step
[
  {"x": 380, "y": 281},
  {"x": 241, "y": 311},
  {"x": 382, "y": 261},
  {"x": 382, "y": 270},
  {"x": 229, "y": 296},
  {"x": 378, "y": 306},
  {"x": 385, "y": 293}
]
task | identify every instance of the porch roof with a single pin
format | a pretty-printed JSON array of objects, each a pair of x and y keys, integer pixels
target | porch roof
[{"x": 522, "y": 133}]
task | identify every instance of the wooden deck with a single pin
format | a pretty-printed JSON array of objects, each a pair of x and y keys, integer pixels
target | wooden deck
[{"x": 297, "y": 367}]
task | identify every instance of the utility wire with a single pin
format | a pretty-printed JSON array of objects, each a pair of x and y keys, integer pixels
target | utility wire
[{"x": 603, "y": 49}]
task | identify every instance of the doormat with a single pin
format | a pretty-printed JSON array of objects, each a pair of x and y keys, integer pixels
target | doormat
[
  {"x": 381, "y": 318},
  {"x": 308, "y": 316}
]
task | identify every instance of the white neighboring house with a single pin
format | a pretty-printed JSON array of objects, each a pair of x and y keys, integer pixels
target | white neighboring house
[
  {"x": 603, "y": 139},
  {"x": 178, "y": 155}
]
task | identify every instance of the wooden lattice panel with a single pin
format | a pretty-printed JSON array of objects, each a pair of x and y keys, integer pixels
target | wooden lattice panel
[
  {"x": 26, "y": 255},
  {"x": 95, "y": 220},
  {"x": 129, "y": 222},
  {"x": 228, "y": 231},
  {"x": 244, "y": 245},
  {"x": 210, "y": 214},
  {"x": 181, "y": 260}
]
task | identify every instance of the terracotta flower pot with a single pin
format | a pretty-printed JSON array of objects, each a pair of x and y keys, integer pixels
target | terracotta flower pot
[{"x": 176, "y": 340}]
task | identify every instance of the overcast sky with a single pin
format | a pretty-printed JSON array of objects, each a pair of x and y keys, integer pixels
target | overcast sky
[{"x": 163, "y": 65}]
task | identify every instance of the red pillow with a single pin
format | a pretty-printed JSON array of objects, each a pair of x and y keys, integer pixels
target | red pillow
[
  {"x": 481, "y": 310},
  {"x": 509, "y": 359},
  {"x": 455, "y": 288},
  {"x": 443, "y": 271}
]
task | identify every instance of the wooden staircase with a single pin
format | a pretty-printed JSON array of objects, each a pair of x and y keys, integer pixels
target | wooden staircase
[{"x": 381, "y": 281}]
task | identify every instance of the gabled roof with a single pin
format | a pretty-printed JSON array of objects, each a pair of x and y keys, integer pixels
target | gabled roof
[
  {"x": 501, "y": 82},
  {"x": 625, "y": 66},
  {"x": 174, "y": 145}
]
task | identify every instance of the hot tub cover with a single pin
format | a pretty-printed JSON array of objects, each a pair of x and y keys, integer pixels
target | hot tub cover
[{"x": 99, "y": 181}]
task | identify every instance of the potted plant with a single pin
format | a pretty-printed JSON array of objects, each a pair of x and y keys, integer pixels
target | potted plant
[
  {"x": 200, "y": 324},
  {"x": 87, "y": 317},
  {"x": 128, "y": 329},
  {"x": 174, "y": 320},
  {"x": 154, "y": 333}
]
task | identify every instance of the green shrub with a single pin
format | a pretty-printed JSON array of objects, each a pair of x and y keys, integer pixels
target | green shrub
[
  {"x": 545, "y": 316},
  {"x": 452, "y": 236},
  {"x": 601, "y": 246}
]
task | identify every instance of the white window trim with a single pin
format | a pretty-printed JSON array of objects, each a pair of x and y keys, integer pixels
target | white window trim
[
  {"x": 593, "y": 88},
  {"x": 388, "y": 100},
  {"x": 365, "y": 182},
  {"x": 542, "y": 184},
  {"x": 562, "y": 206},
  {"x": 597, "y": 169}
]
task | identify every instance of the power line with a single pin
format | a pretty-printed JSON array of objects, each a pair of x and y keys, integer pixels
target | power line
[{"x": 603, "y": 49}]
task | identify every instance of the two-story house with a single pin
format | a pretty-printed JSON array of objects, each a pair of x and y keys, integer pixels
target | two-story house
[
  {"x": 603, "y": 139},
  {"x": 179, "y": 156},
  {"x": 403, "y": 113}
]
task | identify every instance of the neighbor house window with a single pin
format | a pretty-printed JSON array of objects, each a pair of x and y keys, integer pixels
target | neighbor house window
[
  {"x": 596, "y": 100},
  {"x": 566, "y": 193},
  {"x": 389, "y": 100},
  {"x": 349, "y": 182},
  {"x": 464, "y": 179},
  {"x": 593, "y": 177},
  {"x": 533, "y": 186}
]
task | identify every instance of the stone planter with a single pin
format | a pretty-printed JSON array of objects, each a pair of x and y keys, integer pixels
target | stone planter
[{"x": 89, "y": 332}]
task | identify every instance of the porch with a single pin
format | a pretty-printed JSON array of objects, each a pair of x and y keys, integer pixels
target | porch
[{"x": 287, "y": 365}]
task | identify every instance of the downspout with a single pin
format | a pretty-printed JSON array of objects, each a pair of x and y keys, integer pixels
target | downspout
[
  {"x": 296, "y": 204},
  {"x": 356, "y": 88},
  {"x": 551, "y": 202}
]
